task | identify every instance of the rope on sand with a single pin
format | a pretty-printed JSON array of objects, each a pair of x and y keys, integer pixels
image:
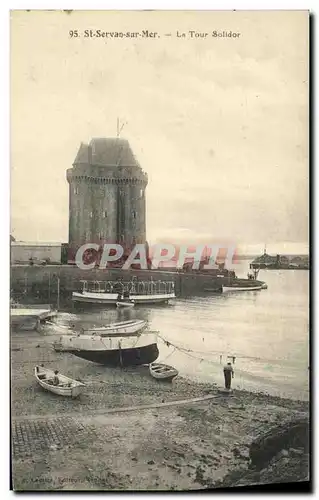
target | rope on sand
[
  {"x": 120, "y": 409},
  {"x": 157, "y": 405}
]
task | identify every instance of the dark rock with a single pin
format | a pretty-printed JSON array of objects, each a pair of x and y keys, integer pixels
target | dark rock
[
  {"x": 296, "y": 451},
  {"x": 292, "y": 434}
]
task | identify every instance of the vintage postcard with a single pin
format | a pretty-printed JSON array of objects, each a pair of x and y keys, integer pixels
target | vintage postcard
[{"x": 159, "y": 301}]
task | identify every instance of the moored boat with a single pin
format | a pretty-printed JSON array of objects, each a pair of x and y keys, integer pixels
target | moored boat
[
  {"x": 129, "y": 327},
  {"x": 125, "y": 303},
  {"x": 115, "y": 350},
  {"x": 244, "y": 285},
  {"x": 66, "y": 386},
  {"x": 121, "y": 328},
  {"x": 237, "y": 288},
  {"x": 30, "y": 316},
  {"x": 110, "y": 292},
  {"x": 112, "y": 298},
  {"x": 161, "y": 371}
]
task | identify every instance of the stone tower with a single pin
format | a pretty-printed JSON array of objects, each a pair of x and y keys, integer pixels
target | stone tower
[{"x": 106, "y": 196}]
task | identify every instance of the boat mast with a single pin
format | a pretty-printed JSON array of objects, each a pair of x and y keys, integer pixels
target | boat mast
[{"x": 58, "y": 301}]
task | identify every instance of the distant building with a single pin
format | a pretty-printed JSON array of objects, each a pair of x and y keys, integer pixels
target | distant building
[
  {"x": 106, "y": 196},
  {"x": 266, "y": 261},
  {"x": 24, "y": 252}
]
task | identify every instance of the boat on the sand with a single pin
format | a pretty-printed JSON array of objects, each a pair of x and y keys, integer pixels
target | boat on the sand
[
  {"x": 129, "y": 327},
  {"x": 31, "y": 316},
  {"x": 120, "y": 328},
  {"x": 161, "y": 371},
  {"x": 67, "y": 386},
  {"x": 114, "y": 350}
]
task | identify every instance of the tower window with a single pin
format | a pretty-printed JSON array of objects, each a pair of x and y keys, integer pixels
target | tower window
[
  {"x": 141, "y": 193},
  {"x": 104, "y": 214},
  {"x": 134, "y": 214},
  {"x": 91, "y": 215},
  {"x": 76, "y": 190}
]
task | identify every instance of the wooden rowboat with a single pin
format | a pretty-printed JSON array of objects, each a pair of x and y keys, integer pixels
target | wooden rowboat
[
  {"x": 162, "y": 372},
  {"x": 128, "y": 327},
  {"x": 67, "y": 386}
]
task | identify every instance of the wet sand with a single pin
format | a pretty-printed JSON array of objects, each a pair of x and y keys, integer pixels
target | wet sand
[{"x": 62, "y": 444}]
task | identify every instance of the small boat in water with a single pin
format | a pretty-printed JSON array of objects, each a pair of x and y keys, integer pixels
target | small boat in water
[
  {"x": 115, "y": 350},
  {"x": 112, "y": 298},
  {"x": 243, "y": 285},
  {"x": 236, "y": 288},
  {"x": 125, "y": 303},
  {"x": 241, "y": 288},
  {"x": 162, "y": 372},
  {"x": 111, "y": 292},
  {"x": 66, "y": 386}
]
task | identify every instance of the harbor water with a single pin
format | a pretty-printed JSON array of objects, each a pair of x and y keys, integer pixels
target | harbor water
[{"x": 266, "y": 331}]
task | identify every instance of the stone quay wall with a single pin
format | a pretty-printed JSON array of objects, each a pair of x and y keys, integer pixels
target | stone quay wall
[{"x": 42, "y": 281}]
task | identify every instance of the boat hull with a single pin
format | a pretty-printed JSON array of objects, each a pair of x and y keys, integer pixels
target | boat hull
[
  {"x": 241, "y": 288},
  {"x": 120, "y": 357},
  {"x": 112, "y": 350},
  {"x": 71, "y": 389},
  {"x": 131, "y": 327},
  {"x": 163, "y": 372},
  {"x": 112, "y": 298},
  {"x": 30, "y": 318},
  {"x": 124, "y": 328}
]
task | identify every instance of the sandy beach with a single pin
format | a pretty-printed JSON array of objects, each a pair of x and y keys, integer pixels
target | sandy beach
[{"x": 99, "y": 442}]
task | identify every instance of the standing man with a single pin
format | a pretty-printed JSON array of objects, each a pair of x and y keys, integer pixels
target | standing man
[{"x": 228, "y": 375}]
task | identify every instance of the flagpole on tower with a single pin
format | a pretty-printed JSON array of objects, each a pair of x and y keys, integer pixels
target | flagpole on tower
[{"x": 119, "y": 128}]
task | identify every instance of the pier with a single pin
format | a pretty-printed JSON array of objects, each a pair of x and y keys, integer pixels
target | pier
[{"x": 46, "y": 282}]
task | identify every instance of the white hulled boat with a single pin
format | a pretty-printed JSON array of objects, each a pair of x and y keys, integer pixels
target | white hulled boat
[
  {"x": 66, "y": 386},
  {"x": 121, "y": 328},
  {"x": 236, "y": 288},
  {"x": 156, "y": 293},
  {"x": 30, "y": 315},
  {"x": 130, "y": 327}
]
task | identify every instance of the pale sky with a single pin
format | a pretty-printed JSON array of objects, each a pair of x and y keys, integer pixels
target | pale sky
[{"x": 219, "y": 124}]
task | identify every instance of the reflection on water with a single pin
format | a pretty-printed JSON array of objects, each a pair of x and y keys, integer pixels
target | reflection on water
[{"x": 267, "y": 332}]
